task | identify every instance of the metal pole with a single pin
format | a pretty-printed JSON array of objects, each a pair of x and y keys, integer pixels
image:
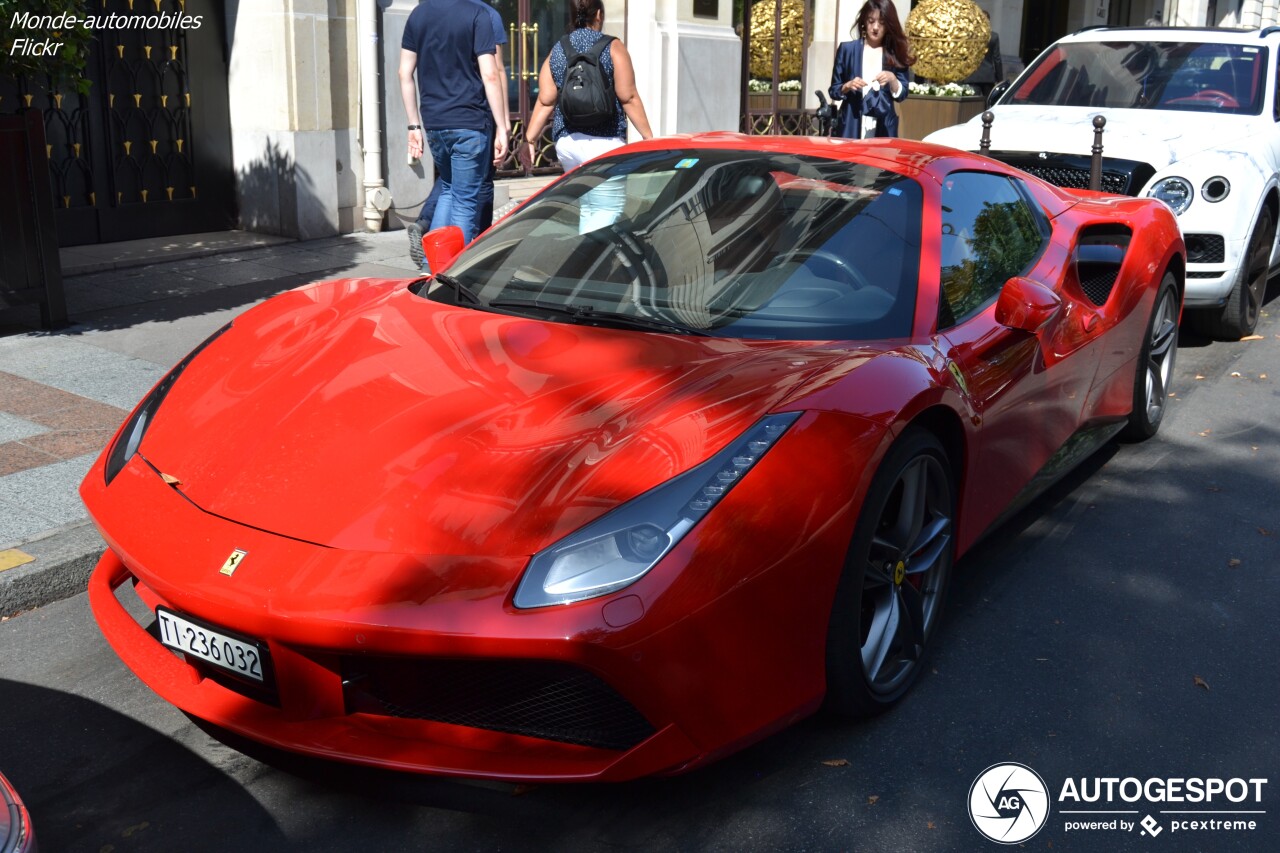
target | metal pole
[
  {"x": 376, "y": 196},
  {"x": 1095, "y": 165}
]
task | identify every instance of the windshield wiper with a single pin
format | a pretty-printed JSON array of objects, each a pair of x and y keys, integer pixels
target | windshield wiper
[
  {"x": 459, "y": 289},
  {"x": 585, "y": 313}
]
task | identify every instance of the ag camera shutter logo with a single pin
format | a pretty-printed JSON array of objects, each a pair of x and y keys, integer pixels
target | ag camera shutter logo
[{"x": 1008, "y": 803}]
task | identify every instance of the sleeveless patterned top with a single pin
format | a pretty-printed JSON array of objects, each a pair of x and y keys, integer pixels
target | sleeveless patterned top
[{"x": 581, "y": 39}]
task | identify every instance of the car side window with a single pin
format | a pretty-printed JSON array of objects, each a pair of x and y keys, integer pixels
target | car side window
[
  {"x": 990, "y": 232},
  {"x": 1275, "y": 82}
]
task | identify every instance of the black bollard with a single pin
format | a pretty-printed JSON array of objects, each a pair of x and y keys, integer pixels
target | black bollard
[
  {"x": 1095, "y": 165},
  {"x": 985, "y": 145}
]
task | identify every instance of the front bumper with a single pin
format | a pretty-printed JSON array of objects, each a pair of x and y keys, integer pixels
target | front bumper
[
  {"x": 708, "y": 661},
  {"x": 1213, "y": 266},
  {"x": 308, "y": 713}
]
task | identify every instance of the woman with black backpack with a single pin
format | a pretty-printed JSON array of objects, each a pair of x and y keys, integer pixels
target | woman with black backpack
[{"x": 587, "y": 86}]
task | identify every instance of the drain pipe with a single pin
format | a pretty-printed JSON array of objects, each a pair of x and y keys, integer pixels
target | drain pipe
[{"x": 377, "y": 198}]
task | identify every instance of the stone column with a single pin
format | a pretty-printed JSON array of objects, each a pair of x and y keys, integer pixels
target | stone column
[
  {"x": 687, "y": 65},
  {"x": 409, "y": 183},
  {"x": 282, "y": 119}
]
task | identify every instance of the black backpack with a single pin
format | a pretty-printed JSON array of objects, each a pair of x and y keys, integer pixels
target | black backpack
[{"x": 586, "y": 98}]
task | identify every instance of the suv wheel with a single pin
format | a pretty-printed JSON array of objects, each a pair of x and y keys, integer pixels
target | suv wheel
[{"x": 1239, "y": 317}]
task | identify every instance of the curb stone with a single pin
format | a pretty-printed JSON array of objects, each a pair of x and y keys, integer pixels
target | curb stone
[{"x": 64, "y": 558}]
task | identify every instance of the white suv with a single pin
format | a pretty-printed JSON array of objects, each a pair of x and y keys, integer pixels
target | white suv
[{"x": 1193, "y": 119}]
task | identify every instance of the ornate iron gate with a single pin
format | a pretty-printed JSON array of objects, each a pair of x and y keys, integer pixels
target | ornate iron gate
[{"x": 147, "y": 152}]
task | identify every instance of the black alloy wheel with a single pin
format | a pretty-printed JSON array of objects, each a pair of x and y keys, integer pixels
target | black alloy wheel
[
  {"x": 1155, "y": 364},
  {"x": 895, "y": 578}
]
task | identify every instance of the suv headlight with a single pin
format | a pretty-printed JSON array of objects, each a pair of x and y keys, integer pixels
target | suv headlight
[
  {"x": 130, "y": 437},
  {"x": 1175, "y": 192},
  {"x": 619, "y": 548}
]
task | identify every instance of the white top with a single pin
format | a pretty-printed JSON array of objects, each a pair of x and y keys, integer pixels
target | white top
[{"x": 872, "y": 64}]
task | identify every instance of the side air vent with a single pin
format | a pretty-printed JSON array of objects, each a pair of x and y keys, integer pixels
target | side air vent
[{"x": 1099, "y": 256}]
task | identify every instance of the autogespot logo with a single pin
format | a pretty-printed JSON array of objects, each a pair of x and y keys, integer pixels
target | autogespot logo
[{"x": 1008, "y": 803}]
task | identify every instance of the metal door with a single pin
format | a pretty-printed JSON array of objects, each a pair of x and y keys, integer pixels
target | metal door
[
  {"x": 775, "y": 76},
  {"x": 533, "y": 28},
  {"x": 147, "y": 153}
]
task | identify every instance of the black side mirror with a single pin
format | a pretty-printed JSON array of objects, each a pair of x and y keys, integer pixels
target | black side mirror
[{"x": 997, "y": 92}]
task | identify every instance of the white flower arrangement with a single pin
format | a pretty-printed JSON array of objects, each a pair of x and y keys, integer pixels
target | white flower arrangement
[
  {"x": 942, "y": 90},
  {"x": 762, "y": 86}
]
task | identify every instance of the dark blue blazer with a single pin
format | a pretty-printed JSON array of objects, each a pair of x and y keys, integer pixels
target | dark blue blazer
[{"x": 878, "y": 104}]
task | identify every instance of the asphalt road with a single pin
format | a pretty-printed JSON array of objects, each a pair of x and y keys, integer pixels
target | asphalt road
[{"x": 1124, "y": 625}]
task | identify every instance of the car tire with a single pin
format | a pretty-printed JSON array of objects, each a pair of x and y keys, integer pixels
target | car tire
[
  {"x": 1155, "y": 364},
  {"x": 1239, "y": 317},
  {"x": 894, "y": 581}
]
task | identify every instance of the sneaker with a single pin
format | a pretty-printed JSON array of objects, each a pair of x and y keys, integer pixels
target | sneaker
[{"x": 416, "y": 229}]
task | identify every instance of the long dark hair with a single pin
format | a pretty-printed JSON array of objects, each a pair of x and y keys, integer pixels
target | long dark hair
[
  {"x": 583, "y": 12},
  {"x": 897, "y": 50}
]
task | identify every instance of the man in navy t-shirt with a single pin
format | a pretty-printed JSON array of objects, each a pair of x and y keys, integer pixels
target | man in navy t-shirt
[
  {"x": 450, "y": 45},
  {"x": 484, "y": 209}
]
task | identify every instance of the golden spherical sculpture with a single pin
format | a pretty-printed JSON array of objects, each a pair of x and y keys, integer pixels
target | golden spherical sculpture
[
  {"x": 790, "y": 46},
  {"x": 949, "y": 38}
]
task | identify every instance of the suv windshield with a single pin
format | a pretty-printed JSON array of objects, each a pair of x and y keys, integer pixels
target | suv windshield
[
  {"x": 743, "y": 244},
  {"x": 1221, "y": 78}
]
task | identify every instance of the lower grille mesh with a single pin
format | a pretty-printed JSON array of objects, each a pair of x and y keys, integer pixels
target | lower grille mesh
[
  {"x": 1098, "y": 286},
  {"x": 1206, "y": 248},
  {"x": 541, "y": 699}
]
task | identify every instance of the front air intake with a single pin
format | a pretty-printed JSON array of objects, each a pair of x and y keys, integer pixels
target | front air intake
[{"x": 540, "y": 699}]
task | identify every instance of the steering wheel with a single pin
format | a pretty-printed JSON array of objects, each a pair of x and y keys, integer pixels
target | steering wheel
[
  {"x": 830, "y": 261},
  {"x": 1224, "y": 100}
]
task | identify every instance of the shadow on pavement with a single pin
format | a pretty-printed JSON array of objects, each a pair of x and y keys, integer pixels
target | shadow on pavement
[{"x": 93, "y": 779}]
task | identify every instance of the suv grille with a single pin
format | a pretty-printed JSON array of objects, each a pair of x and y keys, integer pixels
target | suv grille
[
  {"x": 1078, "y": 179},
  {"x": 1122, "y": 177},
  {"x": 541, "y": 699}
]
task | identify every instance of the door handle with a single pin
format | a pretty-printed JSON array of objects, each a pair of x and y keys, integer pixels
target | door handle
[
  {"x": 511, "y": 40},
  {"x": 529, "y": 70}
]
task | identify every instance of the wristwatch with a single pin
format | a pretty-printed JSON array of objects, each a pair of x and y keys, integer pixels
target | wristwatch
[{"x": 415, "y": 127}]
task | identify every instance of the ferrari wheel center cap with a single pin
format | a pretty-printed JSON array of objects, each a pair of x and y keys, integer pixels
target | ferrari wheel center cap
[{"x": 899, "y": 572}]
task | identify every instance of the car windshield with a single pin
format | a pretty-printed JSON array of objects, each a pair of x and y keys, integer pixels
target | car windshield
[
  {"x": 1198, "y": 76},
  {"x": 742, "y": 244}
]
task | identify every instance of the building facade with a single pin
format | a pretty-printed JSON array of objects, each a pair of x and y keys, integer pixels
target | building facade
[
  {"x": 691, "y": 71},
  {"x": 285, "y": 116}
]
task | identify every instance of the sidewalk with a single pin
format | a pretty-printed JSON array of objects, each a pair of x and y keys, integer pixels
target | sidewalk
[{"x": 136, "y": 309}]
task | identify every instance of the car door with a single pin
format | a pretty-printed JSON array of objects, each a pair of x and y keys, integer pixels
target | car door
[{"x": 1027, "y": 390}]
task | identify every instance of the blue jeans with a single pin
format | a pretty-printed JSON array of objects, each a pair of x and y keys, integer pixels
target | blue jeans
[
  {"x": 461, "y": 158},
  {"x": 484, "y": 213}
]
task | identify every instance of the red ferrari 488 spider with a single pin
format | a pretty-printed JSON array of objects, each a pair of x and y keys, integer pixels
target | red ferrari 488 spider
[{"x": 679, "y": 451}]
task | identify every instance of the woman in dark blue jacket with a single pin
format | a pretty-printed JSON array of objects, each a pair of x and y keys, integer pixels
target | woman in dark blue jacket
[{"x": 870, "y": 73}]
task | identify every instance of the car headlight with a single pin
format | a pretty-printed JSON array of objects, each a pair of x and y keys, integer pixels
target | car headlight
[
  {"x": 130, "y": 437},
  {"x": 1175, "y": 192},
  {"x": 618, "y": 549}
]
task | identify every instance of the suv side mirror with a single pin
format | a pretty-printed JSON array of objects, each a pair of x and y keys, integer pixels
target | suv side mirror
[
  {"x": 997, "y": 92},
  {"x": 1025, "y": 304}
]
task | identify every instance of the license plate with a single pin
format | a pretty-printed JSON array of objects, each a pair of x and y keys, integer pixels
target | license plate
[{"x": 246, "y": 658}]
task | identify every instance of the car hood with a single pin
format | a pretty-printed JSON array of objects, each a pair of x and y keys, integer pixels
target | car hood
[
  {"x": 1158, "y": 137},
  {"x": 356, "y": 414}
]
